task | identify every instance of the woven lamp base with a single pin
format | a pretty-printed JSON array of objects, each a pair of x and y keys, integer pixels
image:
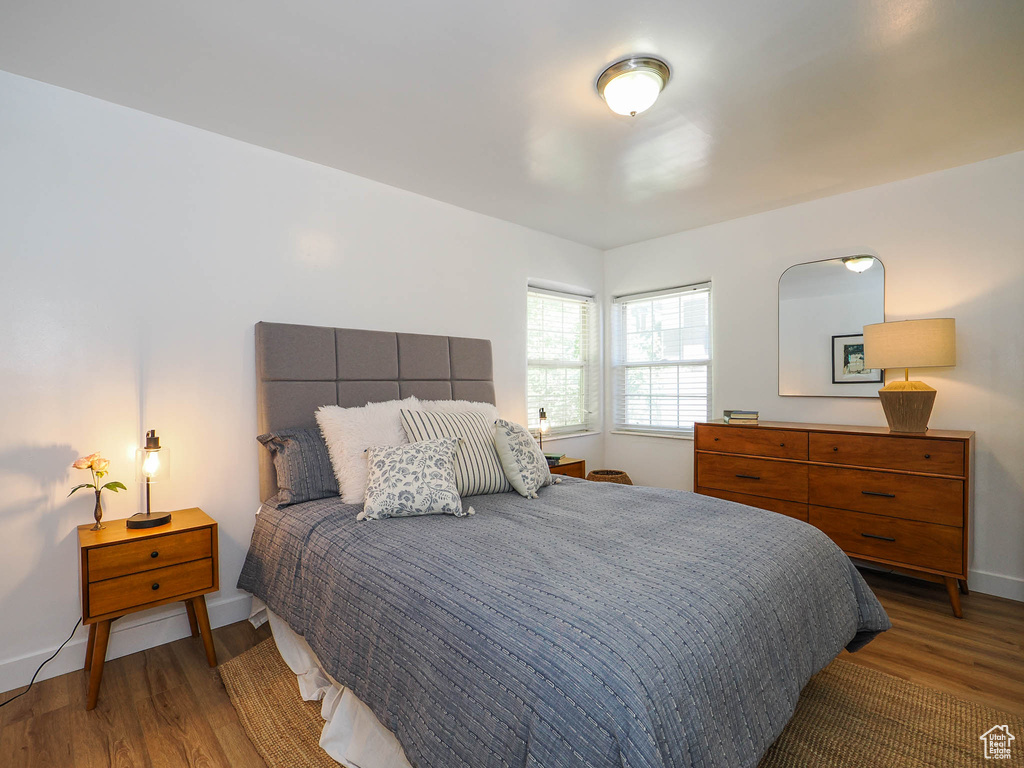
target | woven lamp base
[{"x": 907, "y": 405}]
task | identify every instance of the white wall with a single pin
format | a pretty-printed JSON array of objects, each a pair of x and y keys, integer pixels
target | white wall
[
  {"x": 135, "y": 256},
  {"x": 953, "y": 246}
]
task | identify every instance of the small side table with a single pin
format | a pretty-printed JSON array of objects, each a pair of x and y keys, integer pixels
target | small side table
[
  {"x": 570, "y": 468},
  {"x": 127, "y": 570}
]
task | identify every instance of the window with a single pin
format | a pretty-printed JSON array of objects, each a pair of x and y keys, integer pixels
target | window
[
  {"x": 561, "y": 351},
  {"x": 662, "y": 360}
]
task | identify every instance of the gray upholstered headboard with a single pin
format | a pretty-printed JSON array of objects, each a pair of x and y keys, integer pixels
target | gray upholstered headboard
[{"x": 301, "y": 367}]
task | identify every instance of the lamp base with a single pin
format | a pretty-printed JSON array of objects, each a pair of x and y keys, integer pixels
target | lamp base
[
  {"x": 144, "y": 520},
  {"x": 907, "y": 405}
]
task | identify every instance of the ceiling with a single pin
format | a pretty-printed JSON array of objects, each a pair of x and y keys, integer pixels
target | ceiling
[{"x": 491, "y": 105}]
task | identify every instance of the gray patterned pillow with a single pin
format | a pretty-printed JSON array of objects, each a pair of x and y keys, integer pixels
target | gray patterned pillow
[
  {"x": 477, "y": 467},
  {"x": 303, "y": 466},
  {"x": 414, "y": 479},
  {"x": 524, "y": 464}
]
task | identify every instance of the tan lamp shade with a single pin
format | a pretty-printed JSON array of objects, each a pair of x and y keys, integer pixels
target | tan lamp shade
[{"x": 910, "y": 344}]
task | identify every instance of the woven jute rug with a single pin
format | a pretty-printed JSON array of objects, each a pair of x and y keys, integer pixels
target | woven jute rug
[{"x": 847, "y": 717}]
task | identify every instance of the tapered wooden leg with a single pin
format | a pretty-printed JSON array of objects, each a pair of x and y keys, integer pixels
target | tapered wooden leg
[
  {"x": 193, "y": 625},
  {"x": 954, "y": 595},
  {"x": 89, "y": 646},
  {"x": 99, "y": 655},
  {"x": 199, "y": 603},
  {"x": 963, "y": 586}
]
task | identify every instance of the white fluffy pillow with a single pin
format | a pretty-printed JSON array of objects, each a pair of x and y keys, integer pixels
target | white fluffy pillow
[{"x": 348, "y": 432}]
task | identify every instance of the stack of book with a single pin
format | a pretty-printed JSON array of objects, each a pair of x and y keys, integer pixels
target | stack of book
[
  {"x": 554, "y": 458},
  {"x": 741, "y": 417}
]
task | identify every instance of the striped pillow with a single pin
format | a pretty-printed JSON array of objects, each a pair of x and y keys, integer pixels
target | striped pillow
[{"x": 477, "y": 467}]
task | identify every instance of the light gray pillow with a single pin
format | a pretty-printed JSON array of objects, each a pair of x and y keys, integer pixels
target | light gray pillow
[
  {"x": 477, "y": 467},
  {"x": 524, "y": 464},
  {"x": 414, "y": 479}
]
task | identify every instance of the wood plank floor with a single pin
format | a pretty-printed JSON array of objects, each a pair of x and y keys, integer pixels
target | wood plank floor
[{"x": 164, "y": 708}]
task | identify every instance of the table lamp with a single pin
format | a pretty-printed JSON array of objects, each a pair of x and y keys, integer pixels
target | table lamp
[
  {"x": 909, "y": 344},
  {"x": 152, "y": 463},
  {"x": 543, "y": 427}
]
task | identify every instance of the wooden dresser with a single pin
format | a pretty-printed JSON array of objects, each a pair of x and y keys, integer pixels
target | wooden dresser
[{"x": 899, "y": 499}]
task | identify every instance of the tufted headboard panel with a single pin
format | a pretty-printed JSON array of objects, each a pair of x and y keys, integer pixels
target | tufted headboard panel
[{"x": 301, "y": 367}]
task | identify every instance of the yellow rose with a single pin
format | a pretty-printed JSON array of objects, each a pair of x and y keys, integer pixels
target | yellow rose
[
  {"x": 100, "y": 465},
  {"x": 82, "y": 463}
]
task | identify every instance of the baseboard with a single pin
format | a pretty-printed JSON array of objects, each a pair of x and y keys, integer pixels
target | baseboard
[
  {"x": 1009, "y": 587},
  {"x": 128, "y": 635}
]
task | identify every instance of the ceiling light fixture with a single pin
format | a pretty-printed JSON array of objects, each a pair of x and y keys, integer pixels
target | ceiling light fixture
[
  {"x": 632, "y": 85},
  {"x": 859, "y": 263}
]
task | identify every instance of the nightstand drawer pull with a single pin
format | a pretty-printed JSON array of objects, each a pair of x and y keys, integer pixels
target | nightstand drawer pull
[
  {"x": 154, "y": 553},
  {"x": 876, "y": 536},
  {"x": 749, "y": 477},
  {"x": 156, "y": 585},
  {"x": 879, "y": 493}
]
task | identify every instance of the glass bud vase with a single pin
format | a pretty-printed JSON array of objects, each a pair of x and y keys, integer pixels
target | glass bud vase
[{"x": 98, "y": 514}]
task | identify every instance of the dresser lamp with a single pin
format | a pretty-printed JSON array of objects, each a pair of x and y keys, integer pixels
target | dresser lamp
[
  {"x": 152, "y": 463},
  {"x": 909, "y": 344}
]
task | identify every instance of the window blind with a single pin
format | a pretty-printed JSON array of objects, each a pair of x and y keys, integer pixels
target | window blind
[
  {"x": 662, "y": 360},
  {"x": 561, "y": 344}
]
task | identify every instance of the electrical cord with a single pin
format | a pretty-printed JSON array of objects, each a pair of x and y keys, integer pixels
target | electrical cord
[{"x": 52, "y": 657}]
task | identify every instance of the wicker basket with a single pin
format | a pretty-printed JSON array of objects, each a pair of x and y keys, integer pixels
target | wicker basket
[{"x": 609, "y": 476}]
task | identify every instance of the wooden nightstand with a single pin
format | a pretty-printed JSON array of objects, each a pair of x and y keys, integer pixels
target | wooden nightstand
[
  {"x": 127, "y": 570},
  {"x": 570, "y": 468}
]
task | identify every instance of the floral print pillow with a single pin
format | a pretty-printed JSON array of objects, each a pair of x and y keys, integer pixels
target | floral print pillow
[
  {"x": 414, "y": 479},
  {"x": 524, "y": 464}
]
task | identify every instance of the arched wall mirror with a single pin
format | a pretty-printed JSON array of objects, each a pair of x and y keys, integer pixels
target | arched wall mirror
[{"x": 823, "y": 308}]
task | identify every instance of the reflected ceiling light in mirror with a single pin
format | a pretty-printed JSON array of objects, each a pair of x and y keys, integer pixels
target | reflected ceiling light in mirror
[
  {"x": 632, "y": 85},
  {"x": 859, "y": 263}
]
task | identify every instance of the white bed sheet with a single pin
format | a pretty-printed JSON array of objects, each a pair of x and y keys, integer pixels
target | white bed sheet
[{"x": 352, "y": 734}]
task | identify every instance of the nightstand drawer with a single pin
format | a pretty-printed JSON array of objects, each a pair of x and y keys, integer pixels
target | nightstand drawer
[
  {"x": 758, "y": 477},
  {"x": 938, "y": 547},
  {"x": 149, "y": 553},
  {"x": 927, "y": 499},
  {"x": 127, "y": 592}
]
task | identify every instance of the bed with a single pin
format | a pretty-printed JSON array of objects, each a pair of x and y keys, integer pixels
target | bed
[{"x": 597, "y": 625}]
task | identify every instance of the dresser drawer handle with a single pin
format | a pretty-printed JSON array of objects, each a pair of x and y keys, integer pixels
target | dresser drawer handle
[
  {"x": 782, "y": 445},
  {"x": 154, "y": 553},
  {"x": 879, "y": 493},
  {"x": 927, "y": 455},
  {"x": 749, "y": 477},
  {"x": 874, "y": 536},
  {"x": 835, "y": 447},
  {"x": 156, "y": 586},
  {"x": 716, "y": 439}
]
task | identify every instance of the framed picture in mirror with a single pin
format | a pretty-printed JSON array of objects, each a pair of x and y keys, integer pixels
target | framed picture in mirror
[{"x": 848, "y": 361}]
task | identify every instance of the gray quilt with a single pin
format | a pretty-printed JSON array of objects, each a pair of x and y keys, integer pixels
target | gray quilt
[{"x": 599, "y": 625}]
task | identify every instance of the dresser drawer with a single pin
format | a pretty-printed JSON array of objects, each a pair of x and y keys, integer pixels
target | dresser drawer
[
  {"x": 928, "y": 499},
  {"x": 777, "y": 443},
  {"x": 925, "y": 545},
  {"x": 149, "y": 553},
  {"x": 943, "y": 457},
  {"x": 125, "y": 592},
  {"x": 787, "y": 508},
  {"x": 757, "y": 477}
]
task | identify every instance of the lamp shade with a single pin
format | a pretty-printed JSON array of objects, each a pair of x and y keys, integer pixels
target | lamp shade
[{"x": 910, "y": 344}]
